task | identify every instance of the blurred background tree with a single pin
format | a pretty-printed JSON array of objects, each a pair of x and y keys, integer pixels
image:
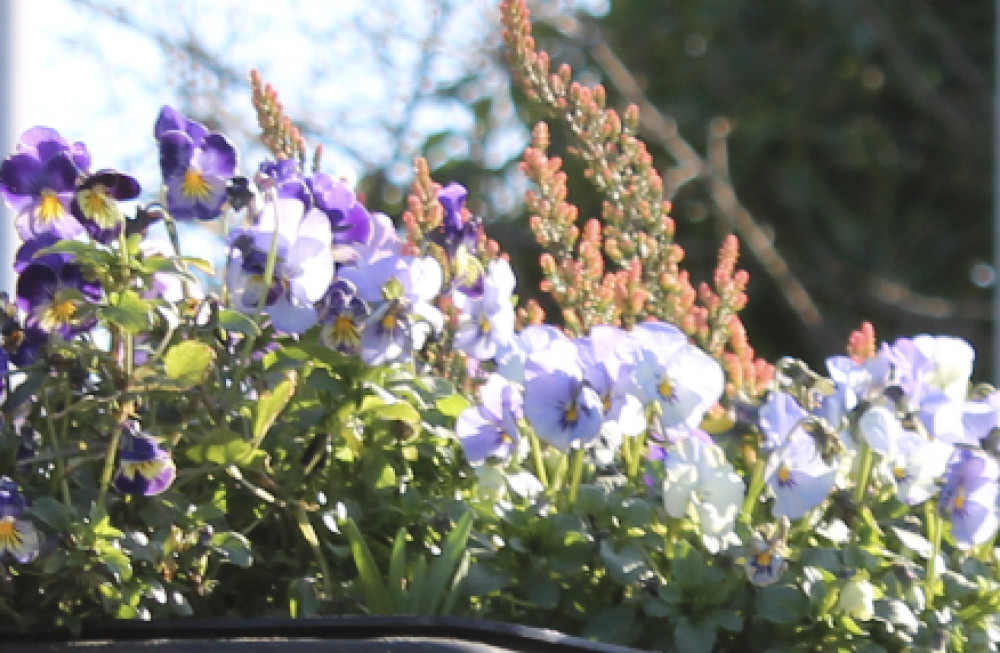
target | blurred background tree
[{"x": 848, "y": 144}]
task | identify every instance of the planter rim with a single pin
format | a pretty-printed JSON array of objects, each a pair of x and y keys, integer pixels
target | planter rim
[{"x": 324, "y": 628}]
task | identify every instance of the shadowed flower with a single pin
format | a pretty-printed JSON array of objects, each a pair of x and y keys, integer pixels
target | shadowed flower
[
  {"x": 455, "y": 231},
  {"x": 196, "y": 166},
  {"x": 145, "y": 468},
  {"x": 342, "y": 315},
  {"x": 486, "y": 322},
  {"x": 764, "y": 565},
  {"x": 969, "y": 496},
  {"x": 53, "y": 292},
  {"x": 798, "y": 476},
  {"x": 702, "y": 485},
  {"x": 18, "y": 537},
  {"x": 95, "y": 204},
  {"x": 39, "y": 180},
  {"x": 491, "y": 428}
]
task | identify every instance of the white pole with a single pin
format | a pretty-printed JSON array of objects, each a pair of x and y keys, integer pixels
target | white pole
[{"x": 9, "y": 122}]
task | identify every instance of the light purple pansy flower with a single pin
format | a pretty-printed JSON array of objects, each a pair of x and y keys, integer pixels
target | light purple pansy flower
[
  {"x": 682, "y": 379},
  {"x": 563, "y": 409},
  {"x": 969, "y": 496},
  {"x": 303, "y": 268},
  {"x": 486, "y": 322},
  {"x": 490, "y": 429}
]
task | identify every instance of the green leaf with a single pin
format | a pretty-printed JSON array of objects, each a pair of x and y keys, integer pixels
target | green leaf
[
  {"x": 270, "y": 405},
  {"x": 694, "y": 638},
  {"x": 302, "y": 598},
  {"x": 782, "y": 604},
  {"x": 626, "y": 566},
  {"x": 453, "y": 405},
  {"x": 128, "y": 311},
  {"x": 397, "y": 567},
  {"x": 52, "y": 513},
  {"x": 231, "y": 320},
  {"x": 234, "y": 547},
  {"x": 541, "y": 591},
  {"x": 442, "y": 575},
  {"x": 220, "y": 446},
  {"x": 188, "y": 363},
  {"x": 369, "y": 575},
  {"x": 616, "y": 624}
]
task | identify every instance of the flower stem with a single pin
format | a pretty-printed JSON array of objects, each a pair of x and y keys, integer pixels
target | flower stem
[
  {"x": 864, "y": 474},
  {"x": 753, "y": 491},
  {"x": 536, "y": 457},
  {"x": 934, "y": 532},
  {"x": 577, "y": 459}
]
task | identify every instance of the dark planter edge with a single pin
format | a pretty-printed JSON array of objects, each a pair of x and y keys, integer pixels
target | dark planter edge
[{"x": 497, "y": 633}]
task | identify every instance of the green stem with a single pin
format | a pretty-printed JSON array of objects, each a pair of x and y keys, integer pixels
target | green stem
[
  {"x": 753, "y": 492},
  {"x": 577, "y": 459},
  {"x": 864, "y": 475},
  {"x": 536, "y": 457},
  {"x": 934, "y": 532}
]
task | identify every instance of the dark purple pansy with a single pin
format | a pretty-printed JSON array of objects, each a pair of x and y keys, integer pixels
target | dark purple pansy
[
  {"x": 95, "y": 204},
  {"x": 196, "y": 166},
  {"x": 454, "y": 230},
  {"x": 341, "y": 315},
  {"x": 52, "y": 290},
  {"x": 144, "y": 467},
  {"x": 349, "y": 219},
  {"x": 38, "y": 182}
]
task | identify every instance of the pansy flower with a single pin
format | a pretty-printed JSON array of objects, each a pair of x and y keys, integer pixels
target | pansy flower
[
  {"x": 144, "y": 467},
  {"x": 18, "y": 537},
  {"x": 455, "y": 230},
  {"x": 196, "y": 166},
  {"x": 350, "y": 221},
  {"x": 487, "y": 321},
  {"x": 563, "y": 409},
  {"x": 39, "y": 180},
  {"x": 765, "y": 564},
  {"x": 303, "y": 266},
  {"x": 681, "y": 379},
  {"x": 54, "y": 292},
  {"x": 969, "y": 496},
  {"x": 95, "y": 203},
  {"x": 491, "y": 429},
  {"x": 700, "y": 484},
  {"x": 342, "y": 315}
]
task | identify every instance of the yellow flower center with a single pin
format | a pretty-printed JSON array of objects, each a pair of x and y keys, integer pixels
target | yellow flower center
[
  {"x": 784, "y": 475},
  {"x": 389, "y": 321},
  {"x": 59, "y": 313},
  {"x": 571, "y": 414},
  {"x": 485, "y": 327},
  {"x": 50, "y": 208},
  {"x": 763, "y": 559},
  {"x": 899, "y": 472},
  {"x": 8, "y": 527},
  {"x": 10, "y": 538},
  {"x": 345, "y": 331},
  {"x": 194, "y": 185},
  {"x": 148, "y": 469},
  {"x": 665, "y": 388},
  {"x": 960, "y": 499},
  {"x": 97, "y": 205}
]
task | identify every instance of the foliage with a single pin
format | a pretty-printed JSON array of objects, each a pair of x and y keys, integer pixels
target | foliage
[{"x": 347, "y": 418}]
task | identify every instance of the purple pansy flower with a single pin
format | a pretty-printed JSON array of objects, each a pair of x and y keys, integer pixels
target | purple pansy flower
[
  {"x": 349, "y": 219},
  {"x": 969, "y": 496},
  {"x": 286, "y": 179},
  {"x": 39, "y": 180},
  {"x": 303, "y": 267},
  {"x": 196, "y": 166},
  {"x": 18, "y": 537},
  {"x": 455, "y": 231},
  {"x": 52, "y": 290},
  {"x": 342, "y": 315},
  {"x": 145, "y": 468},
  {"x": 491, "y": 428},
  {"x": 765, "y": 564},
  {"x": 563, "y": 409},
  {"x": 95, "y": 204}
]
